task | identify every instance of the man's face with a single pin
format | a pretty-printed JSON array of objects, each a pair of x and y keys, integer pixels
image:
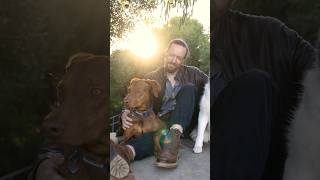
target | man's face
[{"x": 174, "y": 57}]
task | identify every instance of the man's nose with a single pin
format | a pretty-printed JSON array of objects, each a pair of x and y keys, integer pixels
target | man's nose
[
  {"x": 172, "y": 60},
  {"x": 175, "y": 59}
]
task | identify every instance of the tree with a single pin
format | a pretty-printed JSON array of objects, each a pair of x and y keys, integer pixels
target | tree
[{"x": 125, "y": 13}]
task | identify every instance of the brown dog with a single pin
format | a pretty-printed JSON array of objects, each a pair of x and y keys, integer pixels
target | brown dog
[
  {"x": 78, "y": 124},
  {"x": 139, "y": 101}
]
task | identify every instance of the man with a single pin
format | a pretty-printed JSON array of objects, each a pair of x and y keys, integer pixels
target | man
[
  {"x": 259, "y": 62},
  {"x": 181, "y": 86}
]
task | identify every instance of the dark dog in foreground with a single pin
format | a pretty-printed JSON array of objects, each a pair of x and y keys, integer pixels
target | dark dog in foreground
[
  {"x": 139, "y": 101},
  {"x": 76, "y": 129}
]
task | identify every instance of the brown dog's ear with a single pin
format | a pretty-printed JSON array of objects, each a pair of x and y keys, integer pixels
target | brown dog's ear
[
  {"x": 134, "y": 79},
  {"x": 77, "y": 58},
  {"x": 156, "y": 88}
]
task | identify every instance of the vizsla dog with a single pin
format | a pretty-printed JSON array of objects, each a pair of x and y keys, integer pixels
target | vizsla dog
[
  {"x": 139, "y": 101},
  {"x": 76, "y": 129}
]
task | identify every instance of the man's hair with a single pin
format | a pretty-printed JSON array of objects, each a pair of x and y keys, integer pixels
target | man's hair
[{"x": 180, "y": 42}]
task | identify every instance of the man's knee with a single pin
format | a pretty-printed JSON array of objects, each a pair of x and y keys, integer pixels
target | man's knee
[{"x": 255, "y": 76}]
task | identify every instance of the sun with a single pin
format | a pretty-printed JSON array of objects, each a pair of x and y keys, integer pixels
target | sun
[{"x": 142, "y": 42}]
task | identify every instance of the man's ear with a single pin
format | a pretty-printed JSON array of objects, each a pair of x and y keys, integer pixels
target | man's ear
[{"x": 155, "y": 86}]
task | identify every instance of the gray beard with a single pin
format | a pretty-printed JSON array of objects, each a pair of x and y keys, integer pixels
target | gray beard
[{"x": 171, "y": 70}]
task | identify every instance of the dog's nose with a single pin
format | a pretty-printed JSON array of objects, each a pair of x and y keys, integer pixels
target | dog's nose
[
  {"x": 126, "y": 101},
  {"x": 51, "y": 127}
]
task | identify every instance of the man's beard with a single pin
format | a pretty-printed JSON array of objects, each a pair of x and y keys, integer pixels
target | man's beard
[{"x": 171, "y": 68}]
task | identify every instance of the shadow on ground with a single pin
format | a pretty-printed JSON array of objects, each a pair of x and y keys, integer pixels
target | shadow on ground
[{"x": 191, "y": 166}]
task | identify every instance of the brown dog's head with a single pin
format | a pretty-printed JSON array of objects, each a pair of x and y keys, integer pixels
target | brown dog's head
[
  {"x": 80, "y": 116},
  {"x": 140, "y": 93}
]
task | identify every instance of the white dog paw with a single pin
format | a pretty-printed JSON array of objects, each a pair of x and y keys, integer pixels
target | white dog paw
[
  {"x": 197, "y": 149},
  {"x": 206, "y": 137}
]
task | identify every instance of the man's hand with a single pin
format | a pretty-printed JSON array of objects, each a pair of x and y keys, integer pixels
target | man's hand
[{"x": 126, "y": 121}]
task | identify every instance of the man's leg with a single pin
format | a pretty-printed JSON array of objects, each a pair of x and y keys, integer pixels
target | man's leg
[
  {"x": 121, "y": 155},
  {"x": 242, "y": 117},
  {"x": 178, "y": 121},
  {"x": 185, "y": 103},
  {"x": 142, "y": 145}
]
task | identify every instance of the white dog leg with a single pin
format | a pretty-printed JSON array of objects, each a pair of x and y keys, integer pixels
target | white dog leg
[
  {"x": 303, "y": 162},
  {"x": 204, "y": 117},
  {"x": 202, "y": 123}
]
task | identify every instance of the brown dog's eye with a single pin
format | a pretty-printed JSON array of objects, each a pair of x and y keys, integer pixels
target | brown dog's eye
[{"x": 96, "y": 91}]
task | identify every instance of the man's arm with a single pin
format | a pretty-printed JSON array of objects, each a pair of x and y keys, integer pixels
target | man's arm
[
  {"x": 201, "y": 79},
  {"x": 303, "y": 54}
]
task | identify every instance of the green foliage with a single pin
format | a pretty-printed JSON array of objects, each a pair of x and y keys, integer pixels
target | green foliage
[
  {"x": 185, "y": 5},
  {"x": 124, "y": 14},
  {"x": 121, "y": 69}
]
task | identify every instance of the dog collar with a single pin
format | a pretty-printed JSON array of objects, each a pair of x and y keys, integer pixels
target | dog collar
[
  {"x": 76, "y": 156},
  {"x": 73, "y": 160},
  {"x": 144, "y": 114}
]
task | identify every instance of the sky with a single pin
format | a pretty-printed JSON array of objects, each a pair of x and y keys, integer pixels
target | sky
[{"x": 201, "y": 12}]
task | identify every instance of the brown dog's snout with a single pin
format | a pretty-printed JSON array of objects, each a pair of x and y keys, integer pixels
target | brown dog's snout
[
  {"x": 51, "y": 127},
  {"x": 126, "y": 101}
]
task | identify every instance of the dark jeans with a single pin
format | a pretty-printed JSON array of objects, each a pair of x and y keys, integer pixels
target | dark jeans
[
  {"x": 182, "y": 115},
  {"x": 243, "y": 116}
]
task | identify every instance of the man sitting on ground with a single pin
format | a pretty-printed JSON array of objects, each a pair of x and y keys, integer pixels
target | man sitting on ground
[{"x": 181, "y": 87}]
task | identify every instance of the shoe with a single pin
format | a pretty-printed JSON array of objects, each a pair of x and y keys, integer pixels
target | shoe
[
  {"x": 168, "y": 155},
  {"x": 120, "y": 157}
]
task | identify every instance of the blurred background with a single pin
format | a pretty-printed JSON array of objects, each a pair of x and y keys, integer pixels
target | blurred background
[{"x": 36, "y": 38}]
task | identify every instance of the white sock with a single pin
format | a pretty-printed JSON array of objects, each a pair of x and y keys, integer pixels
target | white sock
[
  {"x": 178, "y": 127},
  {"x": 132, "y": 150}
]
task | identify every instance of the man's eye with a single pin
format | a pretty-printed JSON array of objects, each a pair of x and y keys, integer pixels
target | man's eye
[{"x": 96, "y": 91}]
